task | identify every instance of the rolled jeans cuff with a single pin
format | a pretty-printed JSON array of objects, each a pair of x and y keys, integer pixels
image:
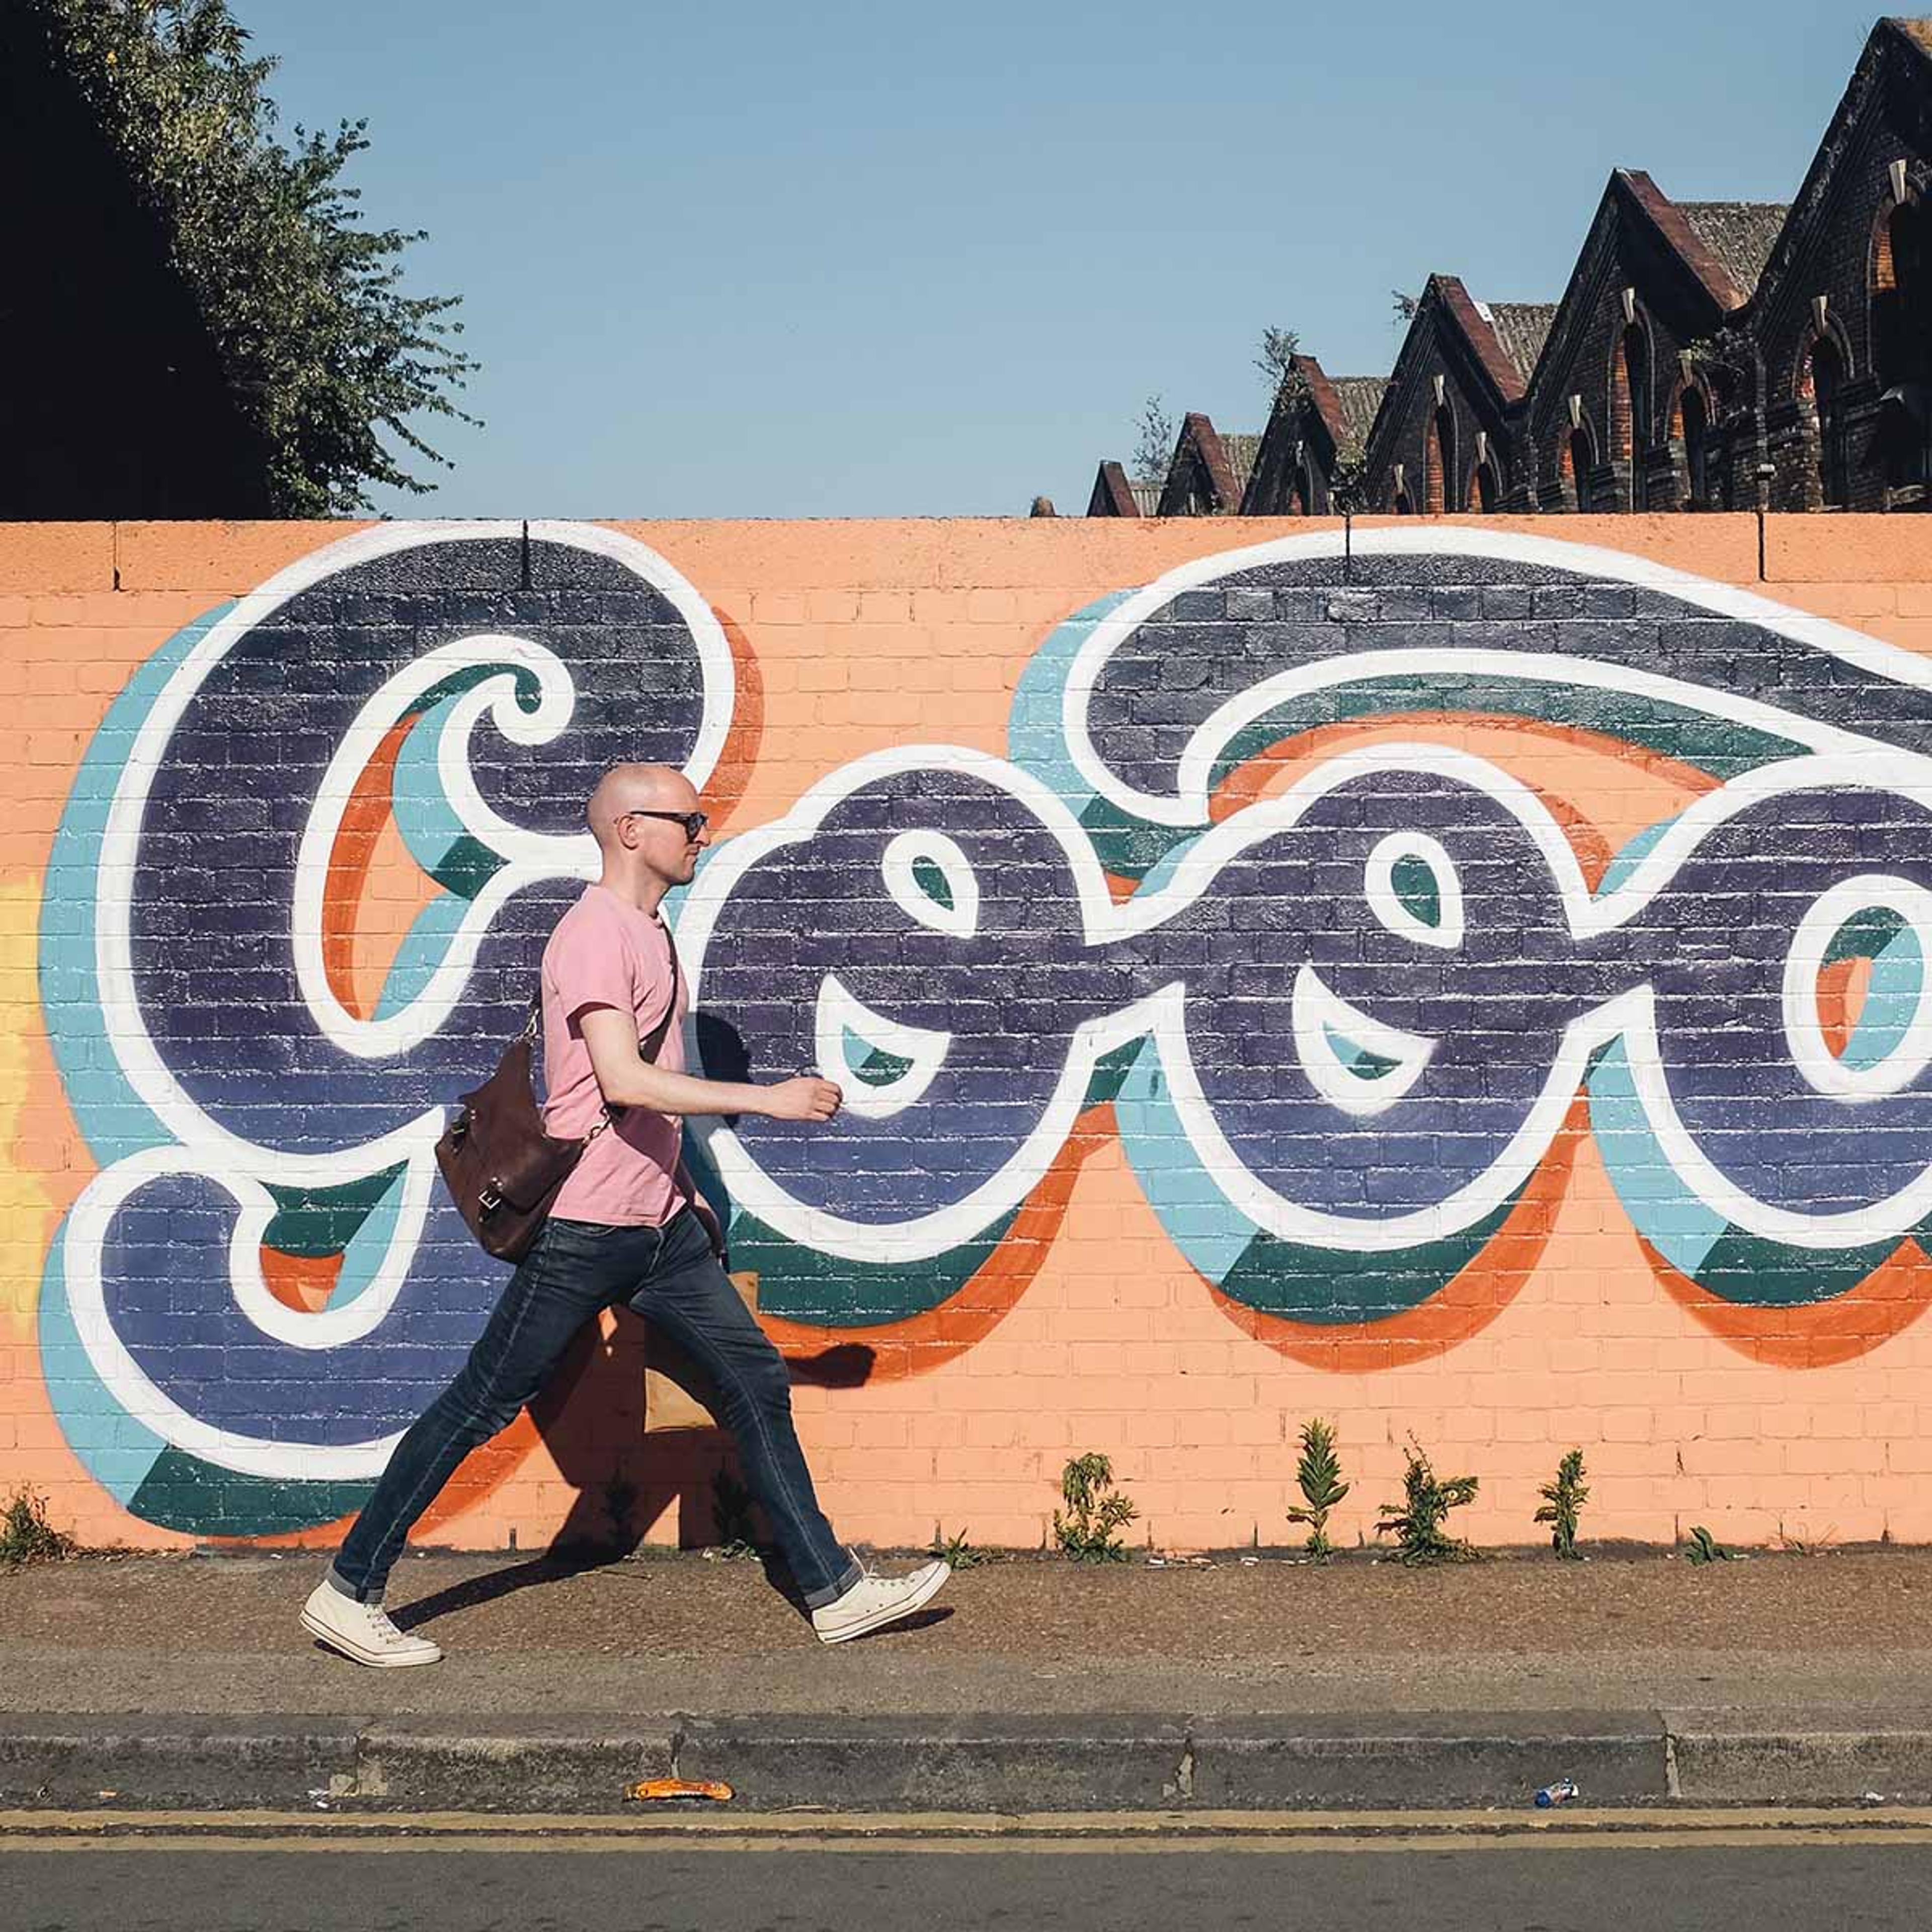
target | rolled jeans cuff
[{"x": 817, "y": 1600}]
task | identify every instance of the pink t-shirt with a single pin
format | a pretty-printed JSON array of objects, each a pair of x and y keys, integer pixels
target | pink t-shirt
[{"x": 606, "y": 952}]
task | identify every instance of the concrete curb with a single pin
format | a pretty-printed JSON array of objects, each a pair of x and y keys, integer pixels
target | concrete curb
[{"x": 561, "y": 1763}]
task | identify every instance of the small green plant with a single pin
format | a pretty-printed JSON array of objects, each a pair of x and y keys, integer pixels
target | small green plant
[
  {"x": 1701, "y": 1547},
  {"x": 1417, "y": 1519},
  {"x": 1563, "y": 1503},
  {"x": 27, "y": 1537},
  {"x": 956, "y": 1550},
  {"x": 731, "y": 1515},
  {"x": 1094, "y": 1511},
  {"x": 1319, "y": 1473}
]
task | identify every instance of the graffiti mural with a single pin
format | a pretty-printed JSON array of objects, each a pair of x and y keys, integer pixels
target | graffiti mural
[{"x": 1243, "y": 893}]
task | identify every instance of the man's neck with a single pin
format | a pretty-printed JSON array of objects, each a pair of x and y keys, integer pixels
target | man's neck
[{"x": 646, "y": 893}]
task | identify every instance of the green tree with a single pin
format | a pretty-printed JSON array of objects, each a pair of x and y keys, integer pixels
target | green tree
[{"x": 322, "y": 349}]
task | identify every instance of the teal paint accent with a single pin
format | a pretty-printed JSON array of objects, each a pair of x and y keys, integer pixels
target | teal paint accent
[
  {"x": 183, "y": 1492},
  {"x": 930, "y": 880},
  {"x": 1332, "y": 1287},
  {"x": 146, "y": 1474},
  {"x": 1037, "y": 743},
  {"x": 1418, "y": 890},
  {"x": 878, "y": 1068},
  {"x": 119, "y": 1450},
  {"x": 422, "y": 951},
  {"x": 112, "y": 1118},
  {"x": 1110, "y": 1073},
  {"x": 1359, "y": 1060},
  {"x": 313, "y": 1221},
  {"x": 1663, "y": 1209},
  {"x": 1200, "y": 1221},
  {"x": 824, "y": 1290},
  {"x": 1891, "y": 997},
  {"x": 436, "y": 837}
]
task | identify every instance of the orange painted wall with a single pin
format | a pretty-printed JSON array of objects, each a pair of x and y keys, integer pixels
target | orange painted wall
[{"x": 851, "y": 638}]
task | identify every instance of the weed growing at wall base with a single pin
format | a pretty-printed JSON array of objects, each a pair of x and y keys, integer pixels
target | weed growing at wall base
[
  {"x": 1563, "y": 1502},
  {"x": 1417, "y": 1520},
  {"x": 956, "y": 1550},
  {"x": 1701, "y": 1547},
  {"x": 27, "y": 1537},
  {"x": 1095, "y": 1509},
  {"x": 1319, "y": 1473}
]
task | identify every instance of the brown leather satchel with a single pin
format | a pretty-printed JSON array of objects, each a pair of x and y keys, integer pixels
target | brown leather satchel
[{"x": 502, "y": 1171}]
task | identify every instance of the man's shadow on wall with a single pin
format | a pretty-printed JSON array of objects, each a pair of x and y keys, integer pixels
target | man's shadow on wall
[{"x": 590, "y": 1418}]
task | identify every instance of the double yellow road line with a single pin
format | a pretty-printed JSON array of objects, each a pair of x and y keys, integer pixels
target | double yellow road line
[{"x": 1113, "y": 1834}]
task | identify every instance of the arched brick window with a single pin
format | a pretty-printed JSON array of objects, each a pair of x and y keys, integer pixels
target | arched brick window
[
  {"x": 1819, "y": 386},
  {"x": 1630, "y": 391},
  {"x": 1487, "y": 493},
  {"x": 1575, "y": 462},
  {"x": 1438, "y": 468},
  {"x": 1900, "y": 287},
  {"x": 1691, "y": 447},
  {"x": 1306, "y": 500}
]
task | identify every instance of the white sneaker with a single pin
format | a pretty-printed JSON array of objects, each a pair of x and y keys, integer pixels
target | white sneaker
[
  {"x": 874, "y": 1601},
  {"x": 363, "y": 1631}
]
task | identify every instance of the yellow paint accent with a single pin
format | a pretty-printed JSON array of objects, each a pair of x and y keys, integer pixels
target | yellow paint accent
[
  {"x": 26, "y": 1208},
  {"x": 1073, "y": 1833}
]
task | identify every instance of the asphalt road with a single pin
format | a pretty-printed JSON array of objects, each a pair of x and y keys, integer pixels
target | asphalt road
[{"x": 1642, "y": 1878}]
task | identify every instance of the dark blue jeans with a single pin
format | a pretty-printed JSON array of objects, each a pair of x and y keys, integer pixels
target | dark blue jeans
[{"x": 577, "y": 1269}]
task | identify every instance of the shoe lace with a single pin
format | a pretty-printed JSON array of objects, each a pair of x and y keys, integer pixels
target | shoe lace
[{"x": 384, "y": 1625}]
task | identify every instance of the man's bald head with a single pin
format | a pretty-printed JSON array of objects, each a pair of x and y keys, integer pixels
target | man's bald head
[{"x": 627, "y": 788}]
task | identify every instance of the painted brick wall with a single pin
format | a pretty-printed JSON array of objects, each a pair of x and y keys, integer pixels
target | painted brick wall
[{"x": 1475, "y": 988}]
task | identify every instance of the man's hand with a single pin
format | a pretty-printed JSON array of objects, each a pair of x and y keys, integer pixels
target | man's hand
[{"x": 801, "y": 1100}]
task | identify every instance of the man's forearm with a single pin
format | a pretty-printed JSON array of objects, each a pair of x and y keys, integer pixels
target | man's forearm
[{"x": 664, "y": 1092}]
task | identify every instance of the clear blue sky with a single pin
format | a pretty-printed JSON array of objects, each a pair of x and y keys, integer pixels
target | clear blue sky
[{"x": 842, "y": 260}]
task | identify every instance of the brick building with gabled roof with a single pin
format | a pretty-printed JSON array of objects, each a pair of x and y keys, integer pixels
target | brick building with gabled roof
[
  {"x": 1444, "y": 436},
  {"x": 1704, "y": 354},
  {"x": 1209, "y": 472},
  {"x": 1317, "y": 436},
  {"x": 1833, "y": 356},
  {"x": 1617, "y": 415}
]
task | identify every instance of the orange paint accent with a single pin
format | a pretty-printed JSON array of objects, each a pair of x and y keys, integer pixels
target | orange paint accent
[
  {"x": 1842, "y": 988},
  {"x": 304, "y": 1282},
  {"x": 1464, "y": 1305},
  {"x": 363, "y": 820},
  {"x": 1814, "y": 1334},
  {"x": 725, "y": 790}
]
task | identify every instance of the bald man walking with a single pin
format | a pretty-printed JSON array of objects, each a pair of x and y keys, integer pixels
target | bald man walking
[{"x": 627, "y": 1229}]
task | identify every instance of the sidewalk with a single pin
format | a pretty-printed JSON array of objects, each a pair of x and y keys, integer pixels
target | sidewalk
[{"x": 1032, "y": 1684}]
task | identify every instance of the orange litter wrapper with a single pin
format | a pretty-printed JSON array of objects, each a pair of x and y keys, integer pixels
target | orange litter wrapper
[{"x": 651, "y": 1789}]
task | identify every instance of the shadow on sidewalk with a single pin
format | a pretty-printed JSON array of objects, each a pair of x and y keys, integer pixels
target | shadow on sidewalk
[{"x": 590, "y": 1420}]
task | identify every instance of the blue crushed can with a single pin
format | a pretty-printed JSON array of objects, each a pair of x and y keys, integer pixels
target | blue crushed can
[{"x": 1560, "y": 1793}]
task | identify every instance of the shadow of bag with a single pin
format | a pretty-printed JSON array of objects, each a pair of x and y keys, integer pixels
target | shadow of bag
[{"x": 678, "y": 1394}]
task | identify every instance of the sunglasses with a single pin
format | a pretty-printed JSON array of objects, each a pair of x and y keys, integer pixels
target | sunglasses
[{"x": 693, "y": 822}]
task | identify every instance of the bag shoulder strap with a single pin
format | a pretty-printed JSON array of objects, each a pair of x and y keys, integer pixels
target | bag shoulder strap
[{"x": 652, "y": 1043}]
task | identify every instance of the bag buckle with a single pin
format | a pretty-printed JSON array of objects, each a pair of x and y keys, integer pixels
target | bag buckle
[{"x": 489, "y": 1201}]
